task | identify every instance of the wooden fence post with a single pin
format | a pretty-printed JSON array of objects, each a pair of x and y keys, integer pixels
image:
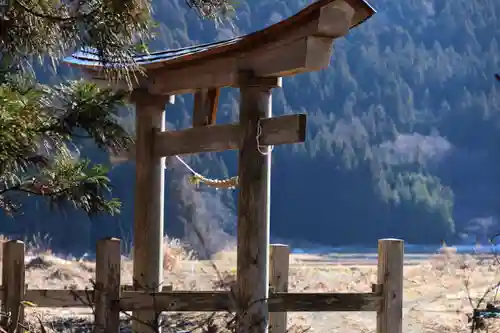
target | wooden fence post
[
  {"x": 107, "y": 288},
  {"x": 13, "y": 285},
  {"x": 279, "y": 266},
  {"x": 390, "y": 278}
]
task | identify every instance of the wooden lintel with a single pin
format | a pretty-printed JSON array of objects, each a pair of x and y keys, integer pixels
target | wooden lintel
[
  {"x": 306, "y": 54},
  {"x": 275, "y": 131},
  {"x": 207, "y": 300},
  {"x": 205, "y": 106}
]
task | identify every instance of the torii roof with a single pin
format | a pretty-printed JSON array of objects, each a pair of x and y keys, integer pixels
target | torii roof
[{"x": 319, "y": 20}]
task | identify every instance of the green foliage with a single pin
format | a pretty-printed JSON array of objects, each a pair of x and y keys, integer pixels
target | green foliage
[
  {"x": 39, "y": 127},
  {"x": 42, "y": 126}
]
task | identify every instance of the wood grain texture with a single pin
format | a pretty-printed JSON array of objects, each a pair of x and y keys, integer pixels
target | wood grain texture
[
  {"x": 207, "y": 301},
  {"x": 390, "y": 278},
  {"x": 305, "y": 47},
  {"x": 13, "y": 277},
  {"x": 217, "y": 65},
  {"x": 213, "y": 301},
  {"x": 306, "y": 54},
  {"x": 269, "y": 35},
  {"x": 214, "y": 138},
  {"x": 278, "y": 280},
  {"x": 334, "y": 20},
  {"x": 205, "y": 106},
  {"x": 279, "y": 32},
  {"x": 148, "y": 205},
  {"x": 254, "y": 172},
  {"x": 283, "y": 129},
  {"x": 68, "y": 298},
  {"x": 107, "y": 286}
]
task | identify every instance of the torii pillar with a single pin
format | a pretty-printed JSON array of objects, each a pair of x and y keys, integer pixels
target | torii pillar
[
  {"x": 149, "y": 202},
  {"x": 254, "y": 173}
]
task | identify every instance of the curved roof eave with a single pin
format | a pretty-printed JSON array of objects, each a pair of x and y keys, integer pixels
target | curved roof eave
[{"x": 87, "y": 59}]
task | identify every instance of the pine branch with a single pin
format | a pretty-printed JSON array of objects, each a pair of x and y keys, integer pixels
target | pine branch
[
  {"x": 54, "y": 18},
  {"x": 66, "y": 181},
  {"x": 37, "y": 124}
]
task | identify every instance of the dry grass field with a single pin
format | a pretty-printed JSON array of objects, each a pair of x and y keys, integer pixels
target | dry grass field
[{"x": 436, "y": 288}]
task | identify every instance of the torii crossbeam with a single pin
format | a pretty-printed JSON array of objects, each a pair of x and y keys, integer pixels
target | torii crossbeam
[{"x": 255, "y": 64}]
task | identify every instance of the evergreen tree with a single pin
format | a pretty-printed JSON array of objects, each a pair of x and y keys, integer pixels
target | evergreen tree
[{"x": 41, "y": 125}]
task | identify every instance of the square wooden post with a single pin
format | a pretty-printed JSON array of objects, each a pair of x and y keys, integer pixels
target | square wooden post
[
  {"x": 390, "y": 277},
  {"x": 13, "y": 285},
  {"x": 148, "y": 206},
  {"x": 253, "y": 205},
  {"x": 108, "y": 270},
  {"x": 278, "y": 280}
]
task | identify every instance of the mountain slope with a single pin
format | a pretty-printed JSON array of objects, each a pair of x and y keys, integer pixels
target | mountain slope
[{"x": 402, "y": 141}]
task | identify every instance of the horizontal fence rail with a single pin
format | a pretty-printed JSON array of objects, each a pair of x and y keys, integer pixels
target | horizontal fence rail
[
  {"x": 206, "y": 301},
  {"x": 108, "y": 297}
]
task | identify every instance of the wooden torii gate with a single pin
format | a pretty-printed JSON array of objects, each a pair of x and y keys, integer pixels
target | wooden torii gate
[{"x": 255, "y": 64}]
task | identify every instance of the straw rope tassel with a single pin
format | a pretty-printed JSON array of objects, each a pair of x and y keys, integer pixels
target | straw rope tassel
[
  {"x": 196, "y": 178},
  {"x": 229, "y": 183}
]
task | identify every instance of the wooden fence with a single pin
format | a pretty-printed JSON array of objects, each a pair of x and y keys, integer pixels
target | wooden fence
[{"x": 108, "y": 297}]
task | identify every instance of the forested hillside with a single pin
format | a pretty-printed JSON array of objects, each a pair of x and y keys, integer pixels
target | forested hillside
[{"x": 403, "y": 134}]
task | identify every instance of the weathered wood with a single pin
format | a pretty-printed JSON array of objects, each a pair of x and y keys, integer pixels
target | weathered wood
[
  {"x": 132, "y": 288},
  {"x": 287, "y": 31},
  {"x": 148, "y": 205},
  {"x": 278, "y": 280},
  {"x": 205, "y": 107},
  {"x": 390, "y": 277},
  {"x": 283, "y": 130},
  {"x": 254, "y": 172},
  {"x": 307, "y": 54},
  {"x": 286, "y": 48},
  {"x": 107, "y": 286},
  {"x": 61, "y": 298},
  {"x": 303, "y": 55},
  {"x": 97, "y": 77},
  {"x": 323, "y": 302},
  {"x": 213, "y": 138},
  {"x": 275, "y": 131},
  {"x": 68, "y": 298},
  {"x": 13, "y": 285},
  {"x": 212, "y": 301},
  {"x": 218, "y": 65},
  {"x": 334, "y": 20},
  {"x": 247, "y": 78},
  {"x": 207, "y": 301}
]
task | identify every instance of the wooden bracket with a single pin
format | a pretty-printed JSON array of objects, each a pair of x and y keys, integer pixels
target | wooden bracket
[
  {"x": 247, "y": 78},
  {"x": 205, "y": 106}
]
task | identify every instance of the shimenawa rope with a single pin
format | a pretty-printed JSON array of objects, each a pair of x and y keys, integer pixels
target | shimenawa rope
[{"x": 228, "y": 183}]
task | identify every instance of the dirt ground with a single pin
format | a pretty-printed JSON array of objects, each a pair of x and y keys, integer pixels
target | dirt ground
[{"x": 437, "y": 288}]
